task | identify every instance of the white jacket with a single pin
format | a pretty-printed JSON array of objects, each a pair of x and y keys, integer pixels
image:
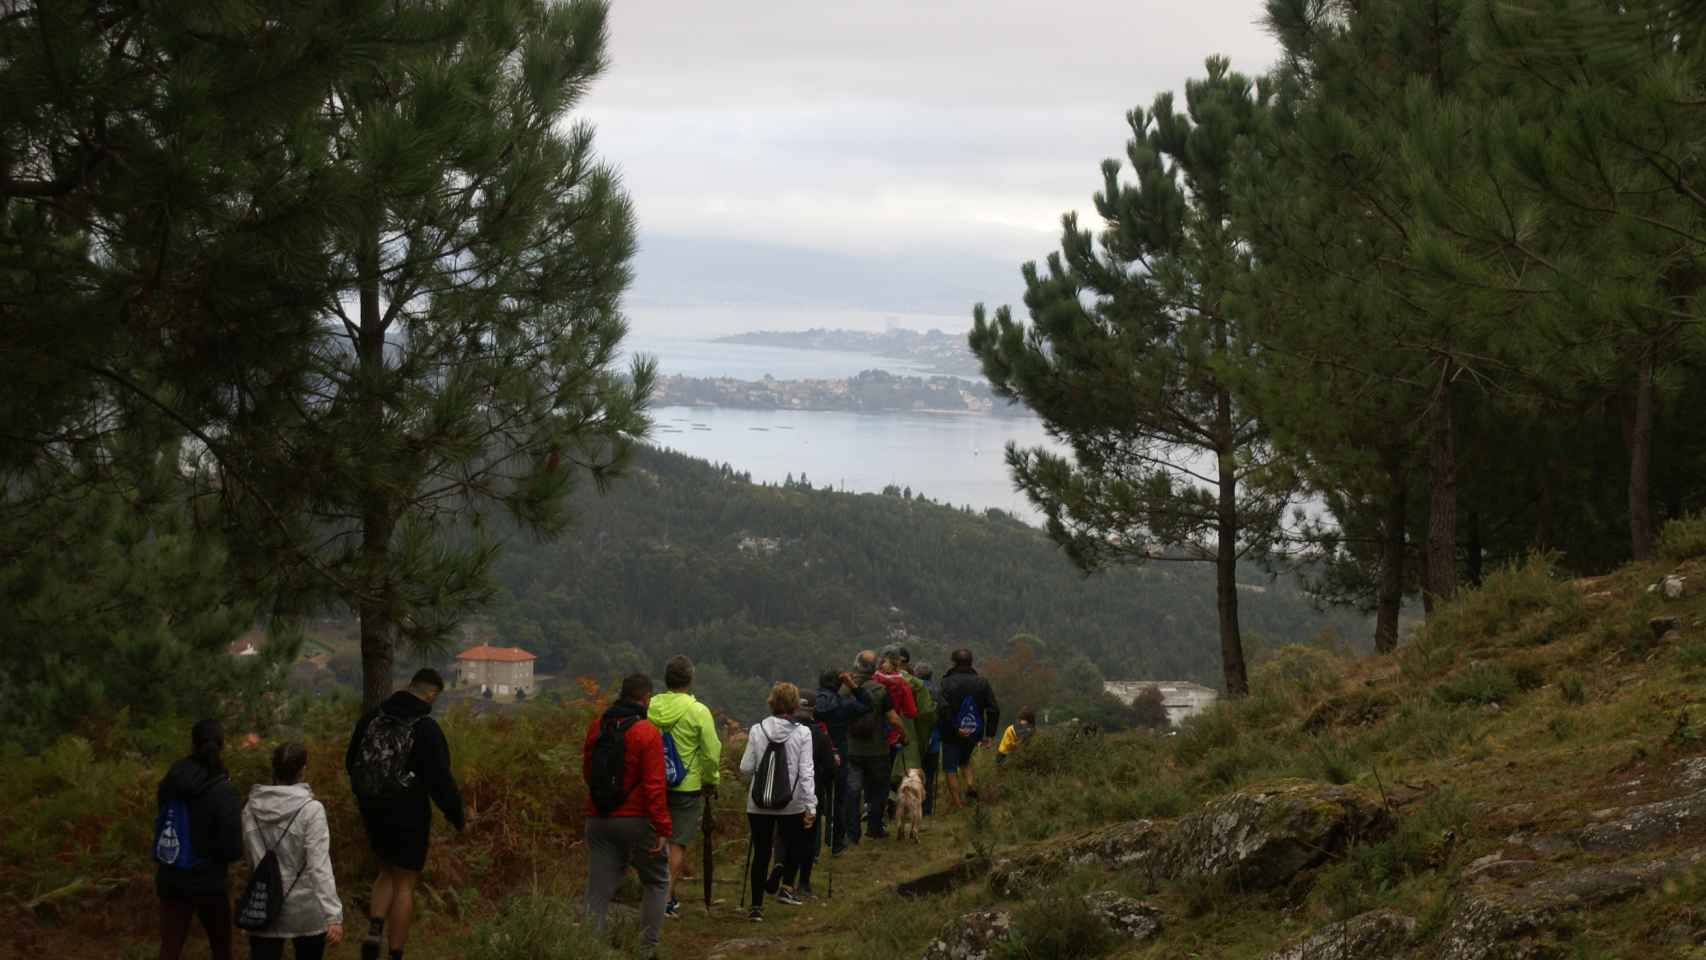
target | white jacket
[
  {"x": 312, "y": 904},
  {"x": 797, "y": 742}
]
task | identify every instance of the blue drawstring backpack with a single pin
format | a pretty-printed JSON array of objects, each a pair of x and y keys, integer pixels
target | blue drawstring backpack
[
  {"x": 172, "y": 845},
  {"x": 674, "y": 770}
]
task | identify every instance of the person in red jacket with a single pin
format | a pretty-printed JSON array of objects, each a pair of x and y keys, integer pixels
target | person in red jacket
[{"x": 635, "y": 831}]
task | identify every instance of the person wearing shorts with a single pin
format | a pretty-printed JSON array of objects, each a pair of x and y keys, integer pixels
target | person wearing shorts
[
  {"x": 689, "y": 726},
  {"x": 966, "y": 715}
]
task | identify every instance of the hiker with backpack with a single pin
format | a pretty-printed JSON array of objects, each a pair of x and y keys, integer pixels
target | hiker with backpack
[
  {"x": 967, "y": 715},
  {"x": 797, "y": 866},
  {"x": 1018, "y": 734},
  {"x": 693, "y": 756},
  {"x": 627, "y": 809},
  {"x": 399, "y": 767},
  {"x": 781, "y": 802},
  {"x": 868, "y": 753},
  {"x": 288, "y": 846},
  {"x": 933, "y": 737},
  {"x": 198, "y": 834},
  {"x": 839, "y": 702},
  {"x": 903, "y": 742}
]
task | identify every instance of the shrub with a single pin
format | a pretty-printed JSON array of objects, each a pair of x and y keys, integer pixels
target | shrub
[
  {"x": 1683, "y": 538},
  {"x": 1692, "y": 655},
  {"x": 1479, "y": 684},
  {"x": 1059, "y": 927},
  {"x": 1572, "y": 688},
  {"x": 1525, "y": 596},
  {"x": 540, "y": 927}
]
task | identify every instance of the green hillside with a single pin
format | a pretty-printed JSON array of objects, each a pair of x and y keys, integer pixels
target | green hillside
[{"x": 772, "y": 582}]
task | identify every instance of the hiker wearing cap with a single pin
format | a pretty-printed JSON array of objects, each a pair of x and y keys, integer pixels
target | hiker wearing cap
[
  {"x": 691, "y": 734},
  {"x": 967, "y": 715},
  {"x": 839, "y": 702}
]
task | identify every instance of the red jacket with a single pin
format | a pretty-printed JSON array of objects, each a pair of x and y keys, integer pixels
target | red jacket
[
  {"x": 642, "y": 758},
  {"x": 900, "y": 697}
]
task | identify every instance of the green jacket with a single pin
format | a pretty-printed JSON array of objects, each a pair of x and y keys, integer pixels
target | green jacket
[
  {"x": 924, "y": 722},
  {"x": 689, "y": 722},
  {"x": 877, "y": 746}
]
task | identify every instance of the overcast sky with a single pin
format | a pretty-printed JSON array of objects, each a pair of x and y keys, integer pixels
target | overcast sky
[{"x": 875, "y": 161}]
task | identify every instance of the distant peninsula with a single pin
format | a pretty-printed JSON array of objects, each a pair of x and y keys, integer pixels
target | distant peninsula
[
  {"x": 934, "y": 351},
  {"x": 874, "y": 391}
]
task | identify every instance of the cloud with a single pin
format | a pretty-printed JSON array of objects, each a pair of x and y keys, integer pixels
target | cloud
[{"x": 904, "y": 137}]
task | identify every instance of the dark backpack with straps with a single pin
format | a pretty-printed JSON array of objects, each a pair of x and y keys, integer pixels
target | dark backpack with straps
[
  {"x": 772, "y": 789},
  {"x": 263, "y": 896},
  {"x": 607, "y": 767},
  {"x": 381, "y": 769}
]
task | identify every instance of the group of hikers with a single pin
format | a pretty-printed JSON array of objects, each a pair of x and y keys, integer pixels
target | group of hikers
[{"x": 821, "y": 772}]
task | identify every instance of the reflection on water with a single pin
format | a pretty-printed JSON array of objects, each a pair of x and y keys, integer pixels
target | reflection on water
[{"x": 953, "y": 458}]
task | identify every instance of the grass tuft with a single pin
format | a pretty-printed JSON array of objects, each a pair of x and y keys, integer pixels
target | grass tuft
[{"x": 1683, "y": 538}]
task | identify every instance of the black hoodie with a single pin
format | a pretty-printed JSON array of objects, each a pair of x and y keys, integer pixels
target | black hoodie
[
  {"x": 216, "y": 828},
  {"x": 430, "y": 761}
]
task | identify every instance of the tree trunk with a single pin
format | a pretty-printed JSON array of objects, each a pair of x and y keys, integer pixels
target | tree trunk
[
  {"x": 1390, "y": 600},
  {"x": 378, "y": 637},
  {"x": 1638, "y": 437},
  {"x": 1442, "y": 500},
  {"x": 1226, "y": 558}
]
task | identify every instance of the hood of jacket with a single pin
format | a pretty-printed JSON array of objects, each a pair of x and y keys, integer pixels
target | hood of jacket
[
  {"x": 961, "y": 672},
  {"x": 667, "y": 709},
  {"x": 778, "y": 729},
  {"x": 190, "y": 778},
  {"x": 624, "y": 708},
  {"x": 274, "y": 805},
  {"x": 405, "y": 705},
  {"x": 826, "y": 702}
]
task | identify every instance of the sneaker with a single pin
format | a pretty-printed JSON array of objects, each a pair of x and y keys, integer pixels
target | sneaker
[
  {"x": 370, "y": 948},
  {"x": 672, "y": 910},
  {"x": 804, "y": 891},
  {"x": 971, "y": 795},
  {"x": 755, "y": 915},
  {"x": 838, "y": 851},
  {"x": 774, "y": 883},
  {"x": 878, "y": 835},
  {"x": 787, "y": 897}
]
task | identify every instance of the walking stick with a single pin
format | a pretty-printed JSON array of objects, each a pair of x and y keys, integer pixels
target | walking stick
[
  {"x": 829, "y": 841},
  {"x": 746, "y": 871}
]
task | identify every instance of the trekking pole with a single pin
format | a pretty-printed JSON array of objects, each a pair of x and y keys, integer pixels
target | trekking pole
[{"x": 829, "y": 841}]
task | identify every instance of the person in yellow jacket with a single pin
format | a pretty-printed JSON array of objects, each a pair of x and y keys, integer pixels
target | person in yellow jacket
[
  {"x": 1017, "y": 733},
  {"x": 687, "y": 722}
]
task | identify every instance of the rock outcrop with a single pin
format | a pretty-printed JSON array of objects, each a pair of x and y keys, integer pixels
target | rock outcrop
[
  {"x": 1259, "y": 837},
  {"x": 1376, "y": 935},
  {"x": 1638, "y": 828},
  {"x": 971, "y": 937},
  {"x": 1128, "y": 919}
]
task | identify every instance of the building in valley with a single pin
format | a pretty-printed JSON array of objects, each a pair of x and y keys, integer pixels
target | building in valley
[
  {"x": 1182, "y": 698},
  {"x": 504, "y": 671}
]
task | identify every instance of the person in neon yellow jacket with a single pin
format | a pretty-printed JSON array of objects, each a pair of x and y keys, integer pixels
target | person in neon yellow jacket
[
  {"x": 1017, "y": 733},
  {"x": 688, "y": 722}
]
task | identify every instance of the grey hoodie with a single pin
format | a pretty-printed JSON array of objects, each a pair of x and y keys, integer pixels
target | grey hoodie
[
  {"x": 312, "y": 904},
  {"x": 797, "y": 741}
]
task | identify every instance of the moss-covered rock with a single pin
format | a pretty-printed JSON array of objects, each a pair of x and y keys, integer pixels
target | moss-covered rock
[
  {"x": 1262, "y": 837},
  {"x": 974, "y": 936},
  {"x": 1142, "y": 845},
  {"x": 1376, "y": 935}
]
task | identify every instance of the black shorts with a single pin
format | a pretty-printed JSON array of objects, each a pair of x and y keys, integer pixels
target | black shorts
[
  {"x": 956, "y": 753},
  {"x": 398, "y": 841}
]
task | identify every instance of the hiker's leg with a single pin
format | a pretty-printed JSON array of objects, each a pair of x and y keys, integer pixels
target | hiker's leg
[
  {"x": 402, "y": 911},
  {"x": 851, "y": 812},
  {"x": 309, "y": 948},
  {"x": 379, "y": 906},
  {"x": 606, "y": 860},
  {"x": 267, "y": 948},
  {"x": 794, "y": 849},
  {"x": 763, "y": 827},
  {"x": 874, "y": 771},
  {"x": 677, "y": 862},
  {"x": 655, "y": 881},
  {"x": 215, "y": 915},
  {"x": 931, "y": 762},
  {"x": 175, "y": 919}
]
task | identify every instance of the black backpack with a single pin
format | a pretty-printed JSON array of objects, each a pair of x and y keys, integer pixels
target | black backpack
[
  {"x": 771, "y": 787},
  {"x": 870, "y": 725},
  {"x": 263, "y": 896},
  {"x": 606, "y": 768},
  {"x": 381, "y": 770}
]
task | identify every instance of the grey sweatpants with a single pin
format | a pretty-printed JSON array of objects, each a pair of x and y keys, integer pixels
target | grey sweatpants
[{"x": 612, "y": 845}]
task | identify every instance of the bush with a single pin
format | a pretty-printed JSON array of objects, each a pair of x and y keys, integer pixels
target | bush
[
  {"x": 1572, "y": 688},
  {"x": 1523, "y": 600},
  {"x": 1479, "y": 684},
  {"x": 1060, "y": 927},
  {"x": 1683, "y": 538},
  {"x": 539, "y": 927}
]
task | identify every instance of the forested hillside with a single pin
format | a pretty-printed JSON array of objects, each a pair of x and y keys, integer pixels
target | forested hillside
[{"x": 781, "y": 582}]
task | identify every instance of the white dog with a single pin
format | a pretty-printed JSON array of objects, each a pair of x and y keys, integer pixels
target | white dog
[{"x": 910, "y": 809}]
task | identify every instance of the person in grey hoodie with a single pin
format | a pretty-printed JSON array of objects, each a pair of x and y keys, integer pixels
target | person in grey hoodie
[
  {"x": 284, "y": 817},
  {"x": 797, "y": 816}
]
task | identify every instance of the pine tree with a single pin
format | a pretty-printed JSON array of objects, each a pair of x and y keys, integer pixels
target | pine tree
[
  {"x": 466, "y": 362},
  {"x": 1128, "y": 353}
]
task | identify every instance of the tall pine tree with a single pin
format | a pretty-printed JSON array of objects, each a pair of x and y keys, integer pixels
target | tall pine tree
[{"x": 1128, "y": 355}]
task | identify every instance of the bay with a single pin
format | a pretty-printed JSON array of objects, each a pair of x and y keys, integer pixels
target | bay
[
  {"x": 706, "y": 358},
  {"x": 952, "y": 458}
]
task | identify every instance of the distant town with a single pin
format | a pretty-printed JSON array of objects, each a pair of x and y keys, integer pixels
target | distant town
[
  {"x": 874, "y": 391},
  {"x": 934, "y": 352}
]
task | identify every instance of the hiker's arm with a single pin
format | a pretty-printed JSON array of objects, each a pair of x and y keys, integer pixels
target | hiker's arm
[
  {"x": 710, "y": 750},
  {"x": 652, "y": 782},
  {"x": 808, "y": 777},
  {"x": 354, "y": 747},
  {"x": 749, "y": 759},
  {"x": 317, "y": 872},
  {"x": 230, "y": 814},
  {"x": 894, "y": 718},
  {"x": 859, "y": 705},
  {"x": 441, "y": 783}
]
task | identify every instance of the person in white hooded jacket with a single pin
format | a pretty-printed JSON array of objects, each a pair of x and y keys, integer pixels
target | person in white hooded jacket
[
  {"x": 789, "y": 822},
  {"x": 285, "y": 818}
]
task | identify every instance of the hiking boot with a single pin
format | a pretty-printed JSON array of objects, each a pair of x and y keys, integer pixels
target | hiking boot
[
  {"x": 787, "y": 897},
  {"x": 774, "y": 883},
  {"x": 370, "y": 948},
  {"x": 755, "y": 915},
  {"x": 672, "y": 909}
]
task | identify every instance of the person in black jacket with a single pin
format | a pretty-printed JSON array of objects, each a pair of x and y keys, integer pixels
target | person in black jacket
[
  {"x": 215, "y": 837},
  {"x": 963, "y": 691},
  {"x": 839, "y": 702},
  {"x": 399, "y": 826},
  {"x": 798, "y": 862}
]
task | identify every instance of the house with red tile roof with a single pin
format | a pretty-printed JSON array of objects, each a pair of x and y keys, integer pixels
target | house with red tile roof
[{"x": 504, "y": 671}]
